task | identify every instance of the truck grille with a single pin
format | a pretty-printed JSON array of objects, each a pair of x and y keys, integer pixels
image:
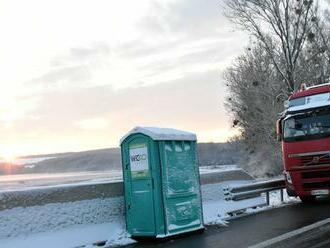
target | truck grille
[
  {"x": 315, "y": 174},
  {"x": 317, "y": 185},
  {"x": 315, "y": 160}
]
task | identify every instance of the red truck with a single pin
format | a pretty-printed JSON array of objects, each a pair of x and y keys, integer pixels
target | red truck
[{"x": 304, "y": 129}]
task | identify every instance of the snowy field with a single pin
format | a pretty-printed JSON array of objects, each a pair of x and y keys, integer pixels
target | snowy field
[
  {"x": 84, "y": 223},
  {"x": 26, "y": 181}
]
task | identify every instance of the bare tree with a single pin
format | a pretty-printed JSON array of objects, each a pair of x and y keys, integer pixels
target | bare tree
[
  {"x": 255, "y": 98},
  {"x": 282, "y": 27},
  {"x": 290, "y": 45},
  {"x": 323, "y": 30}
]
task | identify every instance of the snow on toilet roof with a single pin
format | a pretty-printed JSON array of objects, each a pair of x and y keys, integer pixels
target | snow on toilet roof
[{"x": 157, "y": 133}]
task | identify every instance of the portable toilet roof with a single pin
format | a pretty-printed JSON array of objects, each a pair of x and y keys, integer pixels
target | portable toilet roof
[{"x": 157, "y": 133}]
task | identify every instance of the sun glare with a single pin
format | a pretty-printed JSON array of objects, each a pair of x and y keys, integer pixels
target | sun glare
[{"x": 8, "y": 157}]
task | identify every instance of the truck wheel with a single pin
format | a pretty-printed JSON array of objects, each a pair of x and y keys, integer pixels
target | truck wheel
[{"x": 308, "y": 199}]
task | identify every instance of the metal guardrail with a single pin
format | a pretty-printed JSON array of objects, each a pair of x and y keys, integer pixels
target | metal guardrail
[{"x": 252, "y": 190}]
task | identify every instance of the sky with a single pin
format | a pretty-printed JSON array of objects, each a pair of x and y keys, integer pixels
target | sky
[{"x": 78, "y": 75}]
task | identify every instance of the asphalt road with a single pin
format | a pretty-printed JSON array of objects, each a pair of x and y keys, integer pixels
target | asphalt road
[
  {"x": 252, "y": 229},
  {"x": 314, "y": 238}
]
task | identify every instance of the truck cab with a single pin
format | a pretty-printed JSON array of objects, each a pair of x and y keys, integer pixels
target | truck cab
[{"x": 304, "y": 130}]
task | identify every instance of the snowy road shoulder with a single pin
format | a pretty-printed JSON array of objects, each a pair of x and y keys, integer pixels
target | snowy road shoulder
[
  {"x": 77, "y": 236},
  {"x": 84, "y": 223}
]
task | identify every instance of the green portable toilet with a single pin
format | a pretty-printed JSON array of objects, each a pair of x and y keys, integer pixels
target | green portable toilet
[{"x": 161, "y": 182}]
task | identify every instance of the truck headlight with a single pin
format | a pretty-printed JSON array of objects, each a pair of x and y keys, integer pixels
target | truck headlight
[{"x": 288, "y": 177}]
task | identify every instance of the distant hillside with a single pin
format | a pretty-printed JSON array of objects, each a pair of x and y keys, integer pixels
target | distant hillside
[
  {"x": 108, "y": 159},
  {"x": 103, "y": 159}
]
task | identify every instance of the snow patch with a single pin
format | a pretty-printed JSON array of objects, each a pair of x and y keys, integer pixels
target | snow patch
[
  {"x": 77, "y": 236},
  {"x": 309, "y": 105},
  {"x": 216, "y": 208},
  {"x": 157, "y": 133},
  {"x": 56, "y": 216}
]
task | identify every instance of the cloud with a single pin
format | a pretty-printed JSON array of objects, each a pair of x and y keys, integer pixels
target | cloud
[
  {"x": 88, "y": 54},
  {"x": 140, "y": 64},
  {"x": 197, "y": 38},
  {"x": 16, "y": 110},
  {"x": 95, "y": 78},
  {"x": 92, "y": 124},
  {"x": 98, "y": 49},
  {"x": 72, "y": 75},
  {"x": 192, "y": 103},
  {"x": 94, "y": 117},
  {"x": 190, "y": 18}
]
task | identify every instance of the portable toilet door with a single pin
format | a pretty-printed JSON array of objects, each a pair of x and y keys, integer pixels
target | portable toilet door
[
  {"x": 138, "y": 185},
  {"x": 180, "y": 186}
]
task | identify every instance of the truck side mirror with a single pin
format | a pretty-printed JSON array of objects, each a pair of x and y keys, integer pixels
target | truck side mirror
[{"x": 279, "y": 130}]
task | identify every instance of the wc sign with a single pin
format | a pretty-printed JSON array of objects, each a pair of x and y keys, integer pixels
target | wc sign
[{"x": 139, "y": 159}]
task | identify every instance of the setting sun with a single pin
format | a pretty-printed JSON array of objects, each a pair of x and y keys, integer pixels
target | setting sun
[{"x": 8, "y": 156}]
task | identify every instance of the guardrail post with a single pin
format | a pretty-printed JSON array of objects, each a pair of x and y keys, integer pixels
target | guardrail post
[
  {"x": 267, "y": 198},
  {"x": 282, "y": 197}
]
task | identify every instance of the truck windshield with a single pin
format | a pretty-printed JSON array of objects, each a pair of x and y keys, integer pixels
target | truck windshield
[{"x": 306, "y": 127}]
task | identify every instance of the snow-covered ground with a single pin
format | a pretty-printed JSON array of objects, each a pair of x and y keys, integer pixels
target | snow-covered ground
[
  {"x": 29, "y": 181},
  {"x": 84, "y": 223},
  {"x": 76, "y": 236},
  {"x": 63, "y": 224}
]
